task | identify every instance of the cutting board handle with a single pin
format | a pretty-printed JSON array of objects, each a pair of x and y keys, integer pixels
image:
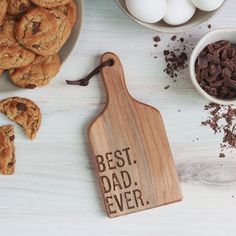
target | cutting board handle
[{"x": 114, "y": 80}]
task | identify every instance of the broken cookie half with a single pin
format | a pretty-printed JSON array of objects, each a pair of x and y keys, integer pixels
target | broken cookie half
[
  {"x": 24, "y": 112},
  {"x": 7, "y": 150}
]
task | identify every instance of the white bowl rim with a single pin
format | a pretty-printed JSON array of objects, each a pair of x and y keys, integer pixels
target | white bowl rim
[
  {"x": 192, "y": 61},
  {"x": 174, "y": 30},
  {"x": 80, "y": 25}
]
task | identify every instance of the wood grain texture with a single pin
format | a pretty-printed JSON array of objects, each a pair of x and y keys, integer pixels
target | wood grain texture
[
  {"x": 54, "y": 190},
  {"x": 130, "y": 149}
]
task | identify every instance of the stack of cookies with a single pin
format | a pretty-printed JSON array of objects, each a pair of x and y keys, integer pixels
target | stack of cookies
[{"x": 32, "y": 32}]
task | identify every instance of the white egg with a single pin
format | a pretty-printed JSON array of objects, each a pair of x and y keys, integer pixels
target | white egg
[
  {"x": 207, "y": 5},
  {"x": 178, "y": 11},
  {"x": 149, "y": 11}
]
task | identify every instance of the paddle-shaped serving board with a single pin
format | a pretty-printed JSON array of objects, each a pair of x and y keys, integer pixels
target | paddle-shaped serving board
[{"x": 130, "y": 149}]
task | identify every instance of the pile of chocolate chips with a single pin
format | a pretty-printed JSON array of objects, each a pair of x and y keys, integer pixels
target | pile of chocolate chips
[
  {"x": 222, "y": 119},
  {"x": 216, "y": 69},
  {"x": 175, "y": 62},
  {"x": 175, "y": 58}
]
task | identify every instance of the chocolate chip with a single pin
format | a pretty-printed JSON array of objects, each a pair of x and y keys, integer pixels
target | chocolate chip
[
  {"x": 11, "y": 164},
  {"x": 173, "y": 38},
  {"x": 213, "y": 59},
  {"x": 35, "y": 27},
  {"x": 37, "y": 46},
  {"x": 224, "y": 55},
  {"x": 211, "y": 48},
  {"x": 156, "y": 39},
  {"x": 12, "y": 138},
  {"x": 231, "y": 83},
  {"x": 226, "y": 73},
  {"x": 222, "y": 155},
  {"x": 166, "y": 52},
  {"x": 21, "y": 107},
  {"x": 30, "y": 86},
  {"x": 22, "y": 7},
  {"x": 202, "y": 62}
]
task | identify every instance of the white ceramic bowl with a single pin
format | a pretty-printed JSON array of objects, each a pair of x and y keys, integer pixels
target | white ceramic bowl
[
  {"x": 5, "y": 83},
  {"x": 211, "y": 37},
  {"x": 199, "y": 18},
  {"x": 74, "y": 37}
]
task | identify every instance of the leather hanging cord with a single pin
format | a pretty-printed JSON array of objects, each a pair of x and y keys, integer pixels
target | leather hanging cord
[{"x": 85, "y": 80}]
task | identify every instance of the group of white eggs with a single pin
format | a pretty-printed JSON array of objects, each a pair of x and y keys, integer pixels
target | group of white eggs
[{"x": 173, "y": 12}]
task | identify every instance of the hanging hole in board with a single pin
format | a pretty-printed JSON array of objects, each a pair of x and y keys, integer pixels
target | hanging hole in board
[{"x": 111, "y": 62}]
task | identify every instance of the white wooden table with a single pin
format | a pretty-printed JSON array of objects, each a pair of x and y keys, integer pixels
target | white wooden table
[{"x": 54, "y": 191}]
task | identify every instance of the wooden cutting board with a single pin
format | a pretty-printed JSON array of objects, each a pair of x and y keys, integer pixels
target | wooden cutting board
[{"x": 130, "y": 150}]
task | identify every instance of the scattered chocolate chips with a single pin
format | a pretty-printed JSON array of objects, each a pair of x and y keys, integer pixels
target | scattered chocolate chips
[
  {"x": 222, "y": 119},
  {"x": 166, "y": 87},
  {"x": 209, "y": 26},
  {"x": 35, "y": 27},
  {"x": 222, "y": 155},
  {"x": 21, "y": 107},
  {"x": 175, "y": 62},
  {"x": 216, "y": 69}
]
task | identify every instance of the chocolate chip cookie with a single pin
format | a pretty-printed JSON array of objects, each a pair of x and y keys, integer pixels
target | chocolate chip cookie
[
  {"x": 7, "y": 150},
  {"x": 71, "y": 11},
  {"x": 43, "y": 31},
  {"x": 12, "y": 53},
  {"x": 50, "y": 3},
  {"x": 39, "y": 73},
  {"x": 24, "y": 112},
  {"x": 3, "y": 10},
  {"x": 16, "y": 7}
]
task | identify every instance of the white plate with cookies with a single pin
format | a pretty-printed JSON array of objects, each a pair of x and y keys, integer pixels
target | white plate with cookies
[{"x": 36, "y": 38}]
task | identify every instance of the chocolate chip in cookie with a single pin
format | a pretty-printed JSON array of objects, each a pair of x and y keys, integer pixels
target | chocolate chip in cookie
[
  {"x": 16, "y": 7},
  {"x": 7, "y": 150},
  {"x": 35, "y": 27},
  {"x": 43, "y": 31},
  {"x": 24, "y": 112}
]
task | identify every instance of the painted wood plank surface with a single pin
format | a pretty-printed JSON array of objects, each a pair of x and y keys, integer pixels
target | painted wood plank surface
[{"x": 54, "y": 191}]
